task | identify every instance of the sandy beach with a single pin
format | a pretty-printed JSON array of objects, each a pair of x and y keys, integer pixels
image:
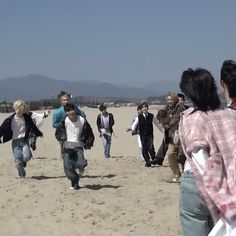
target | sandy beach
[{"x": 118, "y": 196}]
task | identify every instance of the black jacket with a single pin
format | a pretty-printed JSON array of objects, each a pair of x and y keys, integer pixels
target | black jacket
[
  {"x": 87, "y": 136},
  {"x": 6, "y": 131},
  {"x": 111, "y": 123}
]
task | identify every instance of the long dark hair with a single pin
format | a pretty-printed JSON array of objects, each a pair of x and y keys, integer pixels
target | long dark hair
[
  {"x": 228, "y": 76},
  {"x": 199, "y": 86}
]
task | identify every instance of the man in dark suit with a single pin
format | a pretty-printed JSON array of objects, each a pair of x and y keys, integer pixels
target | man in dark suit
[{"x": 145, "y": 122}]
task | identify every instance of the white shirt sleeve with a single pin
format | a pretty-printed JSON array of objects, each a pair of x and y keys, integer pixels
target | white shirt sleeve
[
  {"x": 38, "y": 119},
  {"x": 158, "y": 124},
  {"x": 223, "y": 228},
  {"x": 135, "y": 124},
  {"x": 199, "y": 158}
]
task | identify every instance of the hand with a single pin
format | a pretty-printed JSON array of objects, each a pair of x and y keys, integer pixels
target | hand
[
  {"x": 128, "y": 129},
  {"x": 46, "y": 113}
]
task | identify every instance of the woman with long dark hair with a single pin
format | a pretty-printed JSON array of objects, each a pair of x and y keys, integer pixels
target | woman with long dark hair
[{"x": 195, "y": 135}]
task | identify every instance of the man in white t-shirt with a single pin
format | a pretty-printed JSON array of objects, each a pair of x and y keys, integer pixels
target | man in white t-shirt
[
  {"x": 70, "y": 133},
  {"x": 105, "y": 122}
]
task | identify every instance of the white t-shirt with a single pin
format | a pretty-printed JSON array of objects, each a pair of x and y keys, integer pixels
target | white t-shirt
[
  {"x": 74, "y": 132},
  {"x": 105, "y": 121},
  {"x": 18, "y": 127}
]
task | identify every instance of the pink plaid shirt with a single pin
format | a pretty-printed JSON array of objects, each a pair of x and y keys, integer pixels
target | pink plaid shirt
[{"x": 215, "y": 132}]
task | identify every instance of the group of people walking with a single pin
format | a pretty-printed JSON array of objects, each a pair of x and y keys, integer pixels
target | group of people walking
[
  {"x": 167, "y": 121},
  {"x": 202, "y": 138},
  {"x": 72, "y": 130}
]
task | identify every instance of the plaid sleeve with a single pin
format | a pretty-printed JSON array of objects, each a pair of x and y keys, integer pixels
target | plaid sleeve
[{"x": 194, "y": 132}]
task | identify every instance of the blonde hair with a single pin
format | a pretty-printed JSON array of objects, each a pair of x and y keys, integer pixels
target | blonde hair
[
  {"x": 174, "y": 96},
  {"x": 17, "y": 104}
]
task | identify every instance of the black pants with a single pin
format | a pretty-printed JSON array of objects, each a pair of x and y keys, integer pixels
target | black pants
[
  {"x": 161, "y": 153},
  {"x": 181, "y": 158},
  {"x": 148, "y": 148}
]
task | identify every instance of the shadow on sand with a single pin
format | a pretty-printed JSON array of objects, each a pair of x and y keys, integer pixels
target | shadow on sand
[
  {"x": 98, "y": 176},
  {"x": 40, "y": 158},
  {"x": 43, "y": 177},
  {"x": 99, "y": 186}
]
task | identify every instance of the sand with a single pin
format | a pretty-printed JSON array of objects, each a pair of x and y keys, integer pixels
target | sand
[{"x": 118, "y": 196}]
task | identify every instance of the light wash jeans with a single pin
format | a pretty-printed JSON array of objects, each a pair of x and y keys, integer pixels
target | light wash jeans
[
  {"x": 106, "y": 139},
  {"x": 22, "y": 154},
  {"x": 194, "y": 215}
]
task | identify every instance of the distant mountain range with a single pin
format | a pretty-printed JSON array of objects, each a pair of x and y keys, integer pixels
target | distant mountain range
[{"x": 36, "y": 87}]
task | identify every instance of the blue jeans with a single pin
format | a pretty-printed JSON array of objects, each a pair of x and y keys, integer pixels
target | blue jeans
[
  {"x": 106, "y": 139},
  {"x": 194, "y": 215},
  {"x": 22, "y": 154}
]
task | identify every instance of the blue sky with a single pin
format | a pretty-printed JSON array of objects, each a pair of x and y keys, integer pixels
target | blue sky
[{"x": 117, "y": 41}]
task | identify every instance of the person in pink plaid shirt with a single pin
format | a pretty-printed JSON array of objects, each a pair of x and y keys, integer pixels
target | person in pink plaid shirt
[
  {"x": 208, "y": 138},
  {"x": 199, "y": 86}
]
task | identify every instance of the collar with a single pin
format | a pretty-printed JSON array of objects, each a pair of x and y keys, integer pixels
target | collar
[
  {"x": 232, "y": 104},
  {"x": 189, "y": 111}
]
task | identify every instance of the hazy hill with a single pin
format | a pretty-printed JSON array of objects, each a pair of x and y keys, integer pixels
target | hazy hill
[{"x": 35, "y": 87}]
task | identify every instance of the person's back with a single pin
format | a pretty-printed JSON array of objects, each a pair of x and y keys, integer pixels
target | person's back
[{"x": 220, "y": 177}]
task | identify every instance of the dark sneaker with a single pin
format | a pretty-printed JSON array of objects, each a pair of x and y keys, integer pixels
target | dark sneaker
[
  {"x": 76, "y": 187},
  {"x": 148, "y": 164},
  {"x": 157, "y": 161}
]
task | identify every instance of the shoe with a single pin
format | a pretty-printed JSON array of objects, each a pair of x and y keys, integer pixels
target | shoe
[
  {"x": 75, "y": 187},
  {"x": 107, "y": 156},
  {"x": 148, "y": 164},
  {"x": 157, "y": 161},
  {"x": 176, "y": 180}
]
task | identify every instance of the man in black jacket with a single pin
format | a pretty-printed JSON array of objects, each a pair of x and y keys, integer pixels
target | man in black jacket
[
  {"x": 75, "y": 134},
  {"x": 105, "y": 121}
]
